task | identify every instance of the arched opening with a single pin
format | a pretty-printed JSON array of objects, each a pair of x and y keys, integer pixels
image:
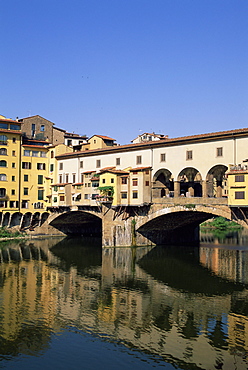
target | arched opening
[
  {"x": 78, "y": 223},
  {"x": 35, "y": 220},
  {"x": 15, "y": 219},
  {"x": 6, "y": 218},
  {"x": 190, "y": 182},
  {"x": 216, "y": 181},
  {"x": 163, "y": 185},
  {"x": 44, "y": 217},
  {"x": 26, "y": 221}
]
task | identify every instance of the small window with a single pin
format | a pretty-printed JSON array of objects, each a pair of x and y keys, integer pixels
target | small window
[
  {"x": 42, "y": 128},
  {"x": 118, "y": 161},
  {"x": 4, "y": 140},
  {"x": 86, "y": 196},
  {"x": 3, "y": 177},
  {"x": 112, "y": 181},
  {"x": 124, "y": 180},
  {"x": 40, "y": 179},
  {"x": 51, "y": 167},
  {"x": 73, "y": 177},
  {"x": 103, "y": 181},
  {"x": 40, "y": 194},
  {"x": 24, "y": 204},
  {"x": 82, "y": 177},
  {"x": 12, "y": 191},
  {"x": 135, "y": 194},
  {"x": 135, "y": 182},
  {"x": 189, "y": 155},
  {"x": 67, "y": 177},
  {"x": 35, "y": 153},
  {"x": 61, "y": 198},
  {"x": 25, "y": 178},
  {"x": 13, "y": 165},
  {"x": 3, "y": 164},
  {"x": 26, "y": 165},
  {"x": 12, "y": 178},
  {"x": 81, "y": 164},
  {"x": 60, "y": 179},
  {"x": 239, "y": 178},
  {"x": 3, "y": 151},
  {"x": 55, "y": 188},
  {"x": 55, "y": 199},
  {"x": 14, "y": 139},
  {"x": 61, "y": 166},
  {"x": 4, "y": 126},
  {"x": 239, "y": 195},
  {"x": 147, "y": 183},
  {"x": 219, "y": 152},
  {"x": 98, "y": 163},
  {"x": 52, "y": 154},
  {"x": 43, "y": 154},
  {"x": 41, "y": 166},
  {"x": 139, "y": 159},
  {"x": 124, "y": 195},
  {"x": 25, "y": 191},
  {"x": 2, "y": 192},
  {"x": 15, "y": 127},
  {"x": 162, "y": 157},
  {"x": 27, "y": 153},
  {"x": 13, "y": 153}
]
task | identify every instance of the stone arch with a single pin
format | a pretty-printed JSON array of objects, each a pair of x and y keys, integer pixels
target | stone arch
[
  {"x": 78, "y": 223},
  {"x": 216, "y": 181},
  {"x": 190, "y": 182},
  {"x": 44, "y": 217},
  {"x": 35, "y": 220},
  {"x": 6, "y": 218},
  {"x": 163, "y": 184},
  {"x": 26, "y": 220},
  {"x": 15, "y": 219}
]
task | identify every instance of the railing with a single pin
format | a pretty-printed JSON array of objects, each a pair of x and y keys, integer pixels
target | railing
[{"x": 191, "y": 200}]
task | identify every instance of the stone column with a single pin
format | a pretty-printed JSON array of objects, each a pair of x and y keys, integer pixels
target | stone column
[
  {"x": 176, "y": 189},
  {"x": 191, "y": 191},
  {"x": 204, "y": 188}
]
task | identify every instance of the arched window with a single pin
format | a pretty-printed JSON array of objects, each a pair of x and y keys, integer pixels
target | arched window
[
  {"x": 3, "y": 164},
  {"x": 3, "y": 151},
  {"x": 3, "y": 140},
  {"x": 2, "y": 192},
  {"x": 3, "y": 177}
]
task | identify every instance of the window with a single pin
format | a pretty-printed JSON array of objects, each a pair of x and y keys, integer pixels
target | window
[
  {"x": 13, "y": 204},
  {"x": 135, "y": 172},
  {"x": 61, "y": 198},
  {"x": 3, "y": 177},
  {"x": 35, "y": 153},
  {"x": 24, "y": 204},
  {"x": 25, "y": 178},
  {"x": 40, "y": 179},
  {"x": 43, "y": 154},
  {"x": 73, "y": 177},
  {"x": 147, "y": 183},
  {"x": 3, "y": 140},
  {"x": 4, "y": 126},
  {"x": 189, "y": 155},
  {"x": 61, "y": 166},
  {"x": 124, "y": 180},
  {"x": 51, "y": 167},
  {"x": 103, "y": 181},
  {"x": 162, "y": 157},
  {"x": 13, "y": 165},
  {"x": 2, "y": 192},
  {"x": 81, "y": 164},
  {"x": 138, "y": 159},
  {"x": 42, "y": 128},
  {"x": 40, "y": 194},
  {"x": 118, "y": 161},
  {"x": 12, "y": 178},
  {"x": 60, "y": 179},
  {"x": 41, "y": 166},
  {"x": 124, "y": 195},
  {"x": 98, "y": 163},
  {"x": 147, "y": 172},
  {"x": 55, "y": 199},
  {"x": 26, "y": 165},
  {"x": 13, "y": 153},
  {"x": 112, "y": 181},
  {"x": 67, "y": 177},
  {"x": 239, "y": 195},
  {"x": 3, "y": 164},
  {"x": 12, "y": 191},
  {"x": 89, "y": 184},
  {"x": 15, "y": 127},
  {"x": 14, "y": 139},
  {"x": 239, "y": 178},
  {"x": 86, "y": 196},
  {"x": 82, "y": 177},
  {"x": 33, "y": 129},
  {"x": 3, "y": 151},
  {"x": 135, "y": 194},
  {"x": 25, "y": 191},
  {"x": 135, "y": 182},
  {"x": 27, "y": 153},
  {"x": 219, "y": 152},
  {"x": 52, "y": 154}
]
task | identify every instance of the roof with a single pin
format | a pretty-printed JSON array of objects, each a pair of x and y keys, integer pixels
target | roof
[
  {"x": 62, "y": 184},
  {"x": 116, "y": 172},
  {"x": 140, "y": 169},
  {"x": 9, "y": 120},
  {"x": 103, "y": 137},
  {"x": 221, "y": 135}
]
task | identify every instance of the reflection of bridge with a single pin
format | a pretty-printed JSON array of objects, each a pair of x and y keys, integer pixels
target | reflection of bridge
[{"x": 166, "y": 221}]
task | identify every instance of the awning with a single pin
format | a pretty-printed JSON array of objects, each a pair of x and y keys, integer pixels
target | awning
[{"x": 76, "y": 195}]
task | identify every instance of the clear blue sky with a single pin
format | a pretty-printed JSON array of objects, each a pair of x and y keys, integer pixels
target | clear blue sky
[{"x": 122, "y": 67}]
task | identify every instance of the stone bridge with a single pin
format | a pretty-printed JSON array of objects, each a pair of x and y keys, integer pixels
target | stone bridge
[{"x": 168, "y": 221}]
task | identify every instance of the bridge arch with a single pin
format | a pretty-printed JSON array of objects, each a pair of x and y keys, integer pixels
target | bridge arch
[
  {"x": 216, "y": 181},
  {"x": 190, "y": 181},
  {"x": 78, "y": 223}
]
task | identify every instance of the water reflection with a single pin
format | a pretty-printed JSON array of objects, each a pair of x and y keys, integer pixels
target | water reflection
[{"x": 186, "y": 306}]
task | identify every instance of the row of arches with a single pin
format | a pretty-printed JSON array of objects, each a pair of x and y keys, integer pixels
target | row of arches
[
  {"x": 189, "y": 182},
  {"x": 23, "y": 221}
]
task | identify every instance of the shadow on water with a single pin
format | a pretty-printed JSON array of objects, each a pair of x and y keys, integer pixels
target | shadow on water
[
  {"x": 179, "y": 267},
  {"x": 82, "y": 253}
]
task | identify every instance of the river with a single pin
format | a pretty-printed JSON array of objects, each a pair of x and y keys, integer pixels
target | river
[{"x": 69, "y": 304}]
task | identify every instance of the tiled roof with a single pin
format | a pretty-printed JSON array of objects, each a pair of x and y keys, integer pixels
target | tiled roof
[{"x": 140, "y": 169}]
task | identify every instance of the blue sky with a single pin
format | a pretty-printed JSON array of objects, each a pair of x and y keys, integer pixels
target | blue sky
[{"x": 123, "y": 67}]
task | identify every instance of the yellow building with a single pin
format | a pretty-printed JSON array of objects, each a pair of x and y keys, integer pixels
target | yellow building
[
  {"x": 237, "y": 176},
  {"x": 10, "y": 146}
]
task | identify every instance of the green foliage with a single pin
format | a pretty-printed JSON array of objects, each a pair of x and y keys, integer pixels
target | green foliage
[
  {"x": 189, "y": 206},
  {"x": 221, "y": 223},
  {"x": 6, "y": 233},
  {"x": 106, "y": 190}
]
